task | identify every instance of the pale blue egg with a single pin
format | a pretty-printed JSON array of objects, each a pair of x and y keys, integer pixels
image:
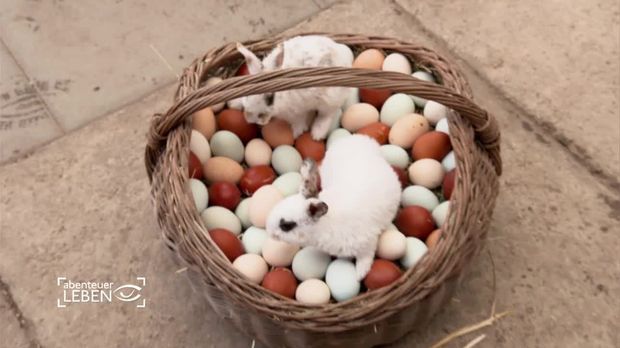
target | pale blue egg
[
  {"x": 253, "y": 239},
  {"x": 227, "y": 144},
  {"x": 220, "y": 217},
  {"x": 395, "y": 107},
  {"x": 424, "y": 76},
  {"x": 440, "y": 213},
  {"x": 243, "y": 212},
  {"x": 448, "y": 162},
  {"x": 310, "y": 263},
  {"x": 442, "y": 126},
  {"x": 419, "y": 195},
  {"x": 341, "y": 278},
  {"x": 335, "y": 135},
  {"x": 286, "y": 158},
  {"x": 200, "y": 194},
  {"x": 415, "y": 250},
  {"x": 288, "y": 183},
  {"x": 395, "y": 155}
]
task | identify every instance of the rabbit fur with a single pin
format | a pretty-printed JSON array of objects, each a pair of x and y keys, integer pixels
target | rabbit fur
[
  {"x": 313, "y": 108},
  {"x": 359, "y": 198}
]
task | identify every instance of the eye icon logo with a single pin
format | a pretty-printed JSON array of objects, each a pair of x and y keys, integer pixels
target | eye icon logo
[{"x": 128, "y": 292}]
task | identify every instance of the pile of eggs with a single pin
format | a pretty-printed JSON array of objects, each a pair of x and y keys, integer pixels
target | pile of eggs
[{"x": 239, "y": 171}]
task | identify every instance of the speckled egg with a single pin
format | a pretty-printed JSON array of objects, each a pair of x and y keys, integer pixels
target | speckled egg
[
  {"x": 395, "y": 155},
  {"x": 419, "y": 195},
  {"x": 243, "y": 212},
  {"x": 199, "y": 193},
  {"x": 396, "y": 62},
  {"x": 313, "y": 291},
  {"x": 433, "y": 111},
  {"x": 288, "y": 183},
  {"x": 341, "y": 278},
  {"x": 286, "y": 159},
  {"x": 426, "y": 172},
  {"x": 337, "y": 134},
  {"x": 395, "y": 107},
  {"x": 220, "y": 217},
  {"x": 253, "y": 240},
  {"x": 263, "y": 200},
  {"x": 369, "y": 59},
  {"x": 204, "y": 122},
  {"x": 257, "y": 153},
  {"x": 415, "y": 250},
  {"x": 226, "y": 144},
  {"x": 358, "y": 116},
  {"x": 199, "y": 146},
  {"x": 252, "y": 266},
  {"x": 222, "y": 169},
  {"x": 407, "y": 129},
  {"x": 391, "y": 245},
  {"x": 310, "y": 263},
  {"x": 278, "y": 253},
  {"x": 424, "y": 76},
  {"x": 440, "y": 213},
  {"x": 278, "y": 132}
]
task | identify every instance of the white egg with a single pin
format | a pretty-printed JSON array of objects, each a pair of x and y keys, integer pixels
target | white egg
[
  {"x": 392, "y": 245},
  {"x": 397, "y": 62},
  {"x": 310, "y": 263},
  {"x": 395, "y": 107},
  {"x": 286, "y": 159},
  {"x": 288, "y": 183},
  {"x": 210, "y": 82},
  {"x": 199, "y": 145},
  {"x": 395, "y": 155},
  {"x": 335, "y": 135},
  {"x": 313, "y": 291},
  {"x": 252, "y": 266},
  {"x": 434, "y": 112},
  {"x": 227, "y": 144},
  {"x": 278, "y": 253},
  {"x": 220, "y": 217},
  {"x": 422, "y": 75},
  {"x": 257, "y": 153},
  {"x": 440, "y": 213},
  {"x": 253, "y": 240},
  {"x": 426, "y": 172},
  {"x": 243, "y": 212},
  {"x": 448, "y": 162},
  {"x": 341, "y": 278},
  {"x": 419, "y": 195},
  {"x": 200, "y": 194},
  {"x": 415, "y": 250},
  {"x": 442, "y": 126}
]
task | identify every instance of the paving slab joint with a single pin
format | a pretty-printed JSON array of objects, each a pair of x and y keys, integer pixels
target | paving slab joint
[{"x": 24, "y": 323}]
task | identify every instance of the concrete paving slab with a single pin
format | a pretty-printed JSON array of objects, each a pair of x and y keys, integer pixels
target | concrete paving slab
[
  {"x": 100, "y": 51},
  {"x": 10, "y": 330},
  {"x": 559, "y": 60},
  {"x": 24, "y": 119},
  {"x": 79, "y": 208}
]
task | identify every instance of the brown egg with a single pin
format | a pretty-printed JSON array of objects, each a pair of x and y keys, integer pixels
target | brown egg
[
  {"x": 378, "y": 131},
  {"x": 402, "y": 176},
  {"x": 382, "y": 273},
  {"x": 278, "y": 132},
  {"x": 415, "y": 221},
  {"x": 222, "y": 169},
  {"x": 255, "y": 177},
  {"x": 369, "y": 59},
  {"x": 374, "y": 97},
  {"x": 448, "y": 183},
  {"x": 225, "y": 195},
  {"x": 310, "y": 148},
  {"x": 433, "y": 238},
  {"x": 435, "y": 145},
  {"x": 227, "y": 242},
  {"x": 243, "y": 70},
  {"x": 281, "y": 281},
  {"x": 233, "y": 120},
  {"x": 204, "y": 122},
  {"x": 194, "y": 167}
]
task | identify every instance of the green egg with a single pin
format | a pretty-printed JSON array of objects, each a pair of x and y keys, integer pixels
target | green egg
[
  {"x": 288, "y": 183},
  {"x": 395, "y": 107},
  {"x": 335, "y": 135},
  {"x": 286, "y": 158},
  {"x": 227, "y": 144},
  {"x": 395, "y": 155}
]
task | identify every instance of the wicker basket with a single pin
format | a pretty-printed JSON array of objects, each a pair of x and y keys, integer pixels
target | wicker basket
[{"x": 376, "y": 317}]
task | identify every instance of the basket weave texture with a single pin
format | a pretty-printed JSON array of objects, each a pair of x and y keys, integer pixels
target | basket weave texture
[{"x": 372, "y": 318}]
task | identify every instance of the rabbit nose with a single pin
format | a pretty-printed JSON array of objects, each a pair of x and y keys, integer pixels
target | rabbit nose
[{"x": 263, "y": 119}]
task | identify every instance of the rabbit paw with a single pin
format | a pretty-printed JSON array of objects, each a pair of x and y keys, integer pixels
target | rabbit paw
[
  {"x": 298, "y": 129},
  {"x": 362, "y": 265}
]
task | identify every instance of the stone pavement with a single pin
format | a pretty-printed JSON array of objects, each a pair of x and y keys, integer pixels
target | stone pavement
[{"x": 79, "y": 207}]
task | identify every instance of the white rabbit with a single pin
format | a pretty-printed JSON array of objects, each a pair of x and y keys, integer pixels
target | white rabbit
[
  {"x": 359, "y": 197},
  {"x": 301, "y": 108}
]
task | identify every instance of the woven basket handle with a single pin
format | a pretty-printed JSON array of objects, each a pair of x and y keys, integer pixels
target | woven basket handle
[{"x": 485, "y": 126}]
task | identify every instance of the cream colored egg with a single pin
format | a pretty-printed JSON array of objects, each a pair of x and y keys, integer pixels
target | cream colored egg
[
  {"x": 313, "y": 291},
  {"x": 210, "y": 82},
  {"x": 426, "y": 172},
  {"x": 252, "y": 266},
  {"x": 398, "y": 63},
  {"x": 407, "y": 129},
  {"x": 261, "y": 203},
  {"x": 392, "y": 245},
  {"x": 358, "y": 116},
  {"x": 278, "y": 253},
  {"x": 434, "y": 112},
  {"x": 257, "y": 153},
  {"x": 199, "y": 145},
  {"x": 220, "y": 217},
  {"x": 200, "y": 194}
]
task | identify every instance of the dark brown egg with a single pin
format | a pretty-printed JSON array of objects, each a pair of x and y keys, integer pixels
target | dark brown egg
[
  {"x": 194, "y": 167},
  {"x": 234, "y": 121},
  {"x": 374, "y": 97},
  {"x": 382, "y": 273},
  {"x": 255, "y": 177},
  {"x": 415, "y": 221},
  {"x": 227, "y": 242},
  {"x": 435, "y": 145},
  {"x": 310, "y": 148},
  {"x": 402, "y": 176},
  {"x": 281, "y": 281},
  {"x": 448, "y": 183},
  {"x": 224, "y": 194},
  {"x": 378, "y": 131}
]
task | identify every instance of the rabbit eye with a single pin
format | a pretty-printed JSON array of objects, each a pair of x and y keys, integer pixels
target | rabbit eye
[
  {"x": 287, "y": 226},
  {"x": 269, "y": 98}
]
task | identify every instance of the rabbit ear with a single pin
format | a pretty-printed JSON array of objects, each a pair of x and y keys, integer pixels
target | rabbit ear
[
  {"x": 310, "y": 179},
  {"x": 279, "y": 55},
  {"x": 317, "y": 209},
  {"x": 254, "y": 64}
]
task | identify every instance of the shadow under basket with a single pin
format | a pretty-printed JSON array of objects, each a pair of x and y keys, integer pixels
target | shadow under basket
[{"x": 375, "y": 317}]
